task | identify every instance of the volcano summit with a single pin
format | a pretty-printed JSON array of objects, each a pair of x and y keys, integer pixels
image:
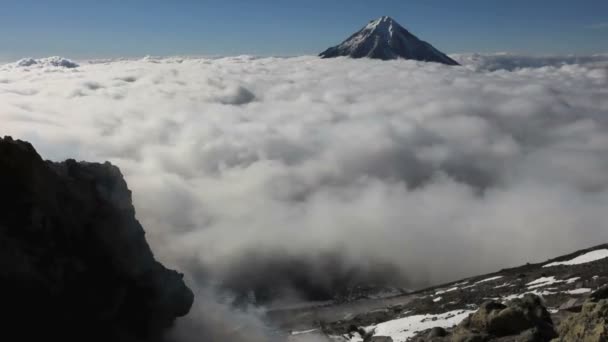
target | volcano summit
[{"x": 385, "y": 39}]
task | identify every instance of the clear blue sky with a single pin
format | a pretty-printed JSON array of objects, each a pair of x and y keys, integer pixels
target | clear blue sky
[{"x": 110, "y": 28}]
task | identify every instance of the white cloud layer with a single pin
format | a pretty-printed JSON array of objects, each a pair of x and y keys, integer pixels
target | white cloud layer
[
  {"x": 442, "y": 171},
  {"x": 510, "y": 61}
]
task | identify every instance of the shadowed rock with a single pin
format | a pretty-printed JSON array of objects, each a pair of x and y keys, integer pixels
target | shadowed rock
[{"x": 74, "y": 261}]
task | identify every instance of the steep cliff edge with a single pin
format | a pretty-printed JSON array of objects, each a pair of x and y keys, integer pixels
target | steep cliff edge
[{"x": 74, "y": 261}]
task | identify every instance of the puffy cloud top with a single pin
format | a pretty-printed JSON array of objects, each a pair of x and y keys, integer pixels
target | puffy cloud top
[
  {"x": 58, "y": 62},
  {"x": 440, "y": 171}
]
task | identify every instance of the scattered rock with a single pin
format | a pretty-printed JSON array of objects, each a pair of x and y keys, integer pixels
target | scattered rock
[
  {"x": 74, "y": 261},
  {"x": 520, "y": 320}
]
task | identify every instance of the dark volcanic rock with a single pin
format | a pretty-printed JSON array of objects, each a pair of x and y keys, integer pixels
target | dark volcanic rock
[
  {"x": 385, "y": 39},
  {"x": 74, "y": 261}
]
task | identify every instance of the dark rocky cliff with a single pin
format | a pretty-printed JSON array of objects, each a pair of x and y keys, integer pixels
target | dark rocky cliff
[{"x": 74, "y": 261}]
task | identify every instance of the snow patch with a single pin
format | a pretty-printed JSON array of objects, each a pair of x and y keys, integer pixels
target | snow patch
[
  {"x": 542, "y": 282},
  {"x": 572, "y": 280},
  {"x": 400, "y": 330},
  {"x": 579, "y": 291},
  {"x": 521, "y": 295},
  {"x": 582, "y": 259},
  {"x": 303, "y": 332},
  {"x": 488, "y": 279},
  {"x": 446, "y": 291},
  {"x": 438, "y": 299}
]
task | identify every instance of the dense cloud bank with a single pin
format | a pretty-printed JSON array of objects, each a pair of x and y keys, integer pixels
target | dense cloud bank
[
  {"x": 510, "y": 62},
  {"x": 241, "y": 163}
]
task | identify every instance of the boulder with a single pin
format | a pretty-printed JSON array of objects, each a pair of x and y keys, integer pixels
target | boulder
[
  {"x": 381, "y": 339},
  {"x": 437, "y": 332},
  {"x": 74, "y": 261},
  {"x": 590, "y": 324},
  {"x": 601, "y": 293},
  {"x": 520, "y": 320},
  {"x": 524, "y": 319}
]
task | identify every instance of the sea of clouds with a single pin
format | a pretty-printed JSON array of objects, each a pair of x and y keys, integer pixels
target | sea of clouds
[{"x": 299, "y": 174}]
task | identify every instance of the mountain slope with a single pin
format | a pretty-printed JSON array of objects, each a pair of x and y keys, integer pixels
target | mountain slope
[
  {"x": 385, "y": 39},
  {"x": 563, "y": 284}
]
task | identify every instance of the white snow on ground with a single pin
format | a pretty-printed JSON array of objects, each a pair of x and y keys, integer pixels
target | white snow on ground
[
  {"x": 521, "y": 295},
  {"x": 304, "y": 332},
  {"x": 579, "y": 291},
  {"x": 542, "y": 282},
  {"x": 582, "y": 290},
  {"x": 446, "y": 291},
  {"x": 438, "y": 299},
  {"x": 402, "y": 329},
  {"x": 582, "y": 259},
  {"x": 572, "y": 280},
  {"x": 488, "y": 279}
]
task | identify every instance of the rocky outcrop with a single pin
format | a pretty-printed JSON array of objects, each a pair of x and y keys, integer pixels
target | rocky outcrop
[
  {"x": 590, "y": 324},
  {"x": 520, "y": 320},
  {"x": 74, "y": 261}
]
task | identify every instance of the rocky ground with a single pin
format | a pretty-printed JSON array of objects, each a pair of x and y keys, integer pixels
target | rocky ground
[{"x": 553, "y": 293}]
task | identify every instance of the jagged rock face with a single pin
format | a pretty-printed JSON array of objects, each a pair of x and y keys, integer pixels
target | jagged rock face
[
  {"x": 385, "y": 39},
  {"x": 74, "y": 261}
]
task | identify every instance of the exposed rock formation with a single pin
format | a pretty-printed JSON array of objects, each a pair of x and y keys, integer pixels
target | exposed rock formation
[
  {"x": 74, "y": 262},
  {"x": 591, "y": 324},
  {"x": 520, "y": 320}
]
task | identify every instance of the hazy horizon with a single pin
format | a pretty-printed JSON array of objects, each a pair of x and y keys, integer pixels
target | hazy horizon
[{"x": 112, "y": 29}]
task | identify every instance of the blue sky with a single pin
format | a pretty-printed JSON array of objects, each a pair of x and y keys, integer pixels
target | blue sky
[{"x": 111, "y": 28}]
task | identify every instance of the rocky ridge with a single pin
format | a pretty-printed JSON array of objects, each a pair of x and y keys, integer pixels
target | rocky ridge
[{"x": 74, "y": 261}]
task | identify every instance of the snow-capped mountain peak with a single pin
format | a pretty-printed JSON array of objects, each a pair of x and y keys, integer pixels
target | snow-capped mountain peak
[
  {"x": 385, "y": 39},
  {"x": 384, "y": 24}
]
